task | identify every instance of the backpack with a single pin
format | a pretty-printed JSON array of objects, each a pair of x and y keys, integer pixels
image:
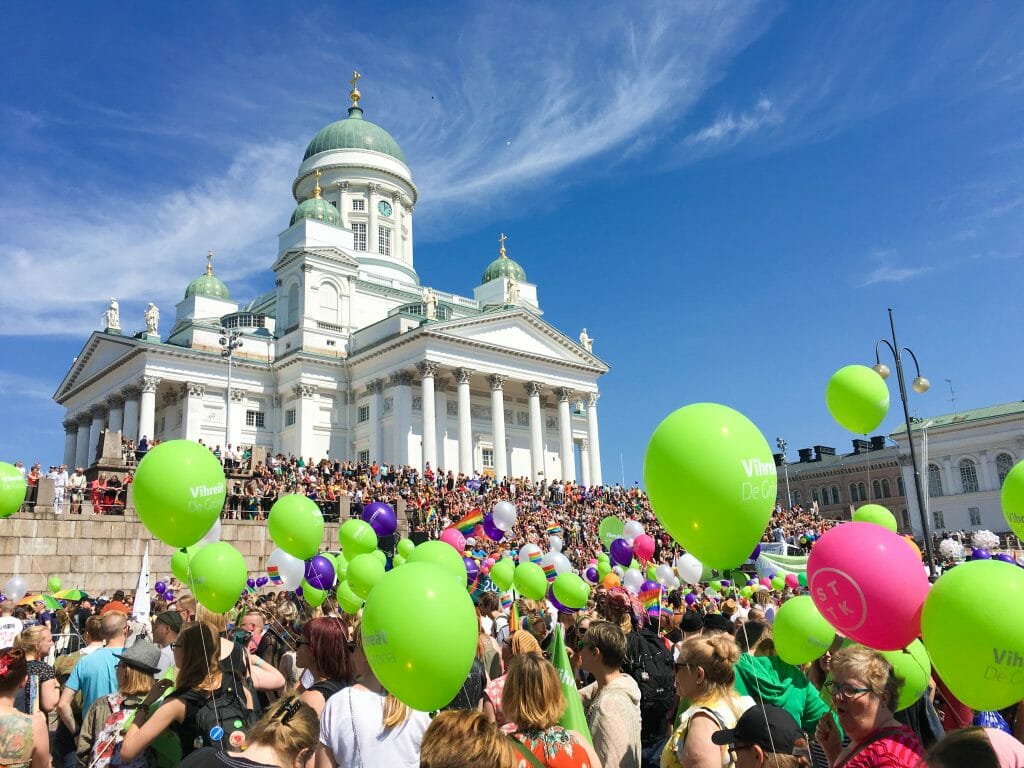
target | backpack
[
  {"x": 649, "y": 663},
  {"x": 106, "y": 747},
  {"x": 220, "y": 719}
]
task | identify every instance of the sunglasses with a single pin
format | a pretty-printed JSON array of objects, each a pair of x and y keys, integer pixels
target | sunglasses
[{"x": 301, "y": 641}]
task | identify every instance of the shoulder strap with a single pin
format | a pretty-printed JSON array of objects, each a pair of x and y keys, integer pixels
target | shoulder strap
[
  {"x": 522, "y": 750},
  {"x": 876, "y": 736}
]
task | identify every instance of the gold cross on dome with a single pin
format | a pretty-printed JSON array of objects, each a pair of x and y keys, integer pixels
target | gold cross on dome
[
  {"x": 354, "y": 93},
  {"x": 209, "y": 262},
  {"x": 502, "y": 240}
]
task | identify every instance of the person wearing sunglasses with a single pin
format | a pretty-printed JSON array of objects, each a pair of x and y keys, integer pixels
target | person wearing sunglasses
[
  {"x": 864, "y": 689},
  {"x": 765, "y": 735}
]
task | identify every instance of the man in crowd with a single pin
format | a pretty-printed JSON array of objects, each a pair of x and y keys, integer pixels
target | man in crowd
[
  {"x": 92, "y": 635},
  {"x": 165, "y": 631},
  {"x": 43, "y": 617},
  {"x": 76, "y": 489},
  {"x": 10, "y": 627},
  {"x": 117, "y": 604},
  {"x": 95, "y": 674},
  {"x": 60, "y": 484}
]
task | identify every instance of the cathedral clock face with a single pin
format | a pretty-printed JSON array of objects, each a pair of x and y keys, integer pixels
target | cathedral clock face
[{"x": 384, "y": 207}]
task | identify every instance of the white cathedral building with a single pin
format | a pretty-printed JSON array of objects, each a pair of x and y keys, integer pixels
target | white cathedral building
[{"x": 350, "y": 356}]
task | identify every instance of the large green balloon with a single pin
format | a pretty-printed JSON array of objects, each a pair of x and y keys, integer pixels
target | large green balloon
[
  {"x": 296, "y": 525},
  {"x": 405, "y": 547},
  {"x": 363, "y": 573},
  {"x": 348, "y": 600},
  {"x": 914, "y": 667},
  {"x": 341, "y": 566},
  {"x": 179, "y": 491},
  {"x": 857, "y": 398},
  {"x": 415, "y": 599},
  {"x": 54, "y": 584},
  {"x": 12, "y": 489},
  {"x": 530, "y": 581},
  {"x": 1012, "y": 498},
  {"x": 180, "y": 563},
  {"x": 877, "y": 514},
  {"x": 440, "y": 554},
  {"x": 502, "y": 573},
  {"x": 975, "y": 648},
  {"x": 571, "y": 591},
  {"x": 610, "y": 529},
  {"x": 357, "y": 537},
  {"x": 801, "y": 633},
  {"x": 218, "y": 576},
  {"x": 313, "y": 596},
  {"x": 711, "y": 480}
]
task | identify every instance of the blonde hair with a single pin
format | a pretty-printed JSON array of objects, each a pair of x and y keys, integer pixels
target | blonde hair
[
  {"x": 217, "y": 621},
  {"x": 862, "y": 663},
  {"x": 29, "y": 640},
  {"x": 136, "y": 681},
  {"x": 717, "y": 655},
  {"x": 465, "y": 739},
  {"x": 532, "y": 697},
  {"x": 288, "y": 727}
]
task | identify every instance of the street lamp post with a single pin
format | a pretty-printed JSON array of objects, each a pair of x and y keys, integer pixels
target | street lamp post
[
  {"x": 230, "y": 341},
  {"x": 785, "y": 469},
  {"x": 919, "y": 385}
]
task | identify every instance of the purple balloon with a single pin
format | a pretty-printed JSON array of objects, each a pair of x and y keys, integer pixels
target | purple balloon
[
  {"x": 262, "y": 581},
  {"x": 756, "y": 553},
  {"x": 298, "y": 591},
  {"x": 472, "y": 570},
  {"x": 381, "y": 518},
  {"x": 1005, "y": 558},
  {"x": 621, "y": 552},
  {"x": 160, "y": 587},
  {"x": 690, "y": 599},
  {"x": 493, "y": 532},
  {"x": 250, "y": 583},
  {"x": 591, "y": 575},
  {"x": 558, "y": 606},
  {"x": 168, "y": 595},
  {"x": 980, "y": 554},
  {"x": 648, "y": 585},
  {"x": 320, "y": 572}
]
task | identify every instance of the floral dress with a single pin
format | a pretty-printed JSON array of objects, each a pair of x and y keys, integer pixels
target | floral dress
[{"x": 555, "y": 747}]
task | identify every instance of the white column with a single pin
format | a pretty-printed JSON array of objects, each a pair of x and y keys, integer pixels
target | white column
[
  {"x": 533, "y": 390},
  {"x": 497, "y": 382},
  {"x": 99, "y": 422},
  {"x": 130, "y": 419},
  {"x": 593, "y": 439},
  {"x": 565, "y": 436},
  {"x": 70, "y": 444},
  {"x": 401, "y": 388},
  {"x": 192, "y": 411},
  {"x": 373, "y": 389},
  {"x": 147, "y": 407},
  {"x": 585, "y": 461},
  {"x": 463, "y": 376},
  {"x": 115, "y": 418},
  {"x": 427, "y": 370},
  {"x": 444, "y": 459},
  {"x": 82, "y": 442}
]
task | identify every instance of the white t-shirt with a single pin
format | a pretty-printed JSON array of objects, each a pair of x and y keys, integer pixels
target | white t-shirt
[
  {"x": 351, "y": 727},
  {"x": 10, "y": 628}
]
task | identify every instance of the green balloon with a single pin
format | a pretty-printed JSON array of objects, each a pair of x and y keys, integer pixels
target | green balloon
[
  {"x": 296, "y": 525},
  {"x": 737, "y": 577},
  {"x": 778, "y": 582},
  {"x": 218, "y": 576},
  {"x": 13, "y": 489},
  {"x": 54, "y": 584},
  {"x": 711, "y": 480},
  {"x": 180, "y": 563},
  {"x": 877, "y": 514},
  {"x": 1012, "y": 498},
  {"x": 602, "y": 557},
  {"x": 348, "y": 600},
  {"x": 363, "y": 573},
  {"x": 857, "y": 398},
  {"x": 440, "y": 554},
  {"x": 914, "y": 667},
  {"x": 401, "y": 606},
  {"x": 405, "y": 547},
  {"x": 972, "y": 646},
  {"x": 652, "y": 574},
  {"x": 179, "y": 491},
  {"x": 379, "y": 554},
  {"x": 571, "y": 591},
  {"x": 603, "y": 569},
  {"x": 357, "y": 538},
  {"x": 610, "y": 529},
  {"x": 801, "y": 633},
  {"x": 747, "y": 591},
  {"x": 802, "y": 579},
  {"x": 341, "y": 566},
  {"x": 397, "y": 560},
  {"x": 530, "y": 581},
  {"x": 502, "y": 573},
  {"x": 716, "y": 585},
  {"x": 313, "y": 596}
]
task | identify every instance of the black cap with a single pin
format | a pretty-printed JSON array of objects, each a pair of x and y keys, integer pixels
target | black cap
[
  {"x": 691, "y": 622},
  {"x": 716, "y": 622},
  {"x": 769, "y": 727}
]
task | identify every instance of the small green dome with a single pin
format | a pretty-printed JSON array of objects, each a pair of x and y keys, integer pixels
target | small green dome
[
  {"x": 501, "y": 267},
  {"x": 208, "y": 285},
  {"x": 354, "y": 133},
  {"x": 318, "y": 209}
]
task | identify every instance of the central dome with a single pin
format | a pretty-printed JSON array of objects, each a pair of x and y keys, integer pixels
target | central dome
[{"x": 354, "y": 133}]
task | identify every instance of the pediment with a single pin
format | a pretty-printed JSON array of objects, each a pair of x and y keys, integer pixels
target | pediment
[{"x": 100, "y": 352}]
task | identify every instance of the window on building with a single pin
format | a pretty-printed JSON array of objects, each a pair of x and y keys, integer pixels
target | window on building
[
  {"x": 293, "y": 305},
  {"x": 836, "y": 498},
  {"x": 255, "y": 419},
  {"x": 364, "y": 413},
  {"x": 358, "y": 204},
  {"x": 906, "y": 519},
  {"x": 384, "y": 241},
  {"x": 938, "y": 519},
  {"x": 329, "y": 301},
  {"x": 488, "y": 458},
  {"x": 900, "y": 489},
  {"x": 934, "y": 481},
  {"x": 886, "y": 488},
  {"x": 363, "y": 457},
  {"x": 975, "y": 514},
  {"x": 1004, "y": 463},
  {"x": 854, "y": 497},
  {"x": 359, "y": 236},
  {"x": 968, "y": 476},
  {"x": 876, "y": 487},
  {"x": 797, "y": 498},
  {"x": 289, "y": 417},
  {"x": 814, "y": 496},
  {"x": 862, "y": 490}
]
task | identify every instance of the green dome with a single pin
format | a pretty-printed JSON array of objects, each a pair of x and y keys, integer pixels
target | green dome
[
  {"x": 318, "y": 209},
  {"x": 354, "y": 133},
  {"x": 208, "y": 285},
  {"x": 501, "y": 267}
]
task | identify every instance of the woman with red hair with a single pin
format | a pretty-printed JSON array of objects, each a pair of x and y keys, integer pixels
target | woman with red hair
[
  {"x": 25, "y": 738},
  {"x": 325, "y": 650}
]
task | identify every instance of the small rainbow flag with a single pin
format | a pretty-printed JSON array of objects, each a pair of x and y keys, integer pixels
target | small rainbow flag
[
  {"x": 535, "y": 557},
  {"x": 431, "y": 515},
  {"x": 549, "y": 571},
  {"x": 554, "y": 529},
  {"x": 506, "y": 602},
  {"x": 469, "y": 522},
  {"x": 651, "y": 601},
  {"x": 274, "y": 572}
]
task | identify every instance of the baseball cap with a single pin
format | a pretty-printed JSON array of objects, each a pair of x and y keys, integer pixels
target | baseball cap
[
  {"x": 769, "y": 727},
  {"x": 172, "y": 619}
]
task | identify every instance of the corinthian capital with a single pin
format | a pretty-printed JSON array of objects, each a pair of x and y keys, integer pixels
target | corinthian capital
[
  {"x": 497, "y": 381},
  {"x": 427, "y": 368},
  {"x": 564, "y": 394},
  {"x": 463, "y": 375},
  {"x": 150, "y": 383},
  {"x": 534, "y": 388}
]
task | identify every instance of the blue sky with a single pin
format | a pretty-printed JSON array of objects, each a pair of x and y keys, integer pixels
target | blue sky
[{"x": 727, "y": 195}]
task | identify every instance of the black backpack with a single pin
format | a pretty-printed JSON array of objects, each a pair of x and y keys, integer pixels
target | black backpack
[
  {"x": 649, "y": 662},
  {"x": 221, "y": 719}
]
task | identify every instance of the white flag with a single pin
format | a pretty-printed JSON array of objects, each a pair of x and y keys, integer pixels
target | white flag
[{"x": 140, "y": 609}]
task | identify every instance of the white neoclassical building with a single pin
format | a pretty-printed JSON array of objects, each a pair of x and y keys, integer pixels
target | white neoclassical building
[{"x": 349, "y": 356}]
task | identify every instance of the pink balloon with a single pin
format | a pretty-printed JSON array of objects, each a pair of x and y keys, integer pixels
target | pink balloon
[
  {"x": 764, "y": 581},
  {"x": 454, "y": 538},
  {"x": 868, "y": 584},
  {"x": 792, "y": 581},
  {"x": 643, "y": 547}
]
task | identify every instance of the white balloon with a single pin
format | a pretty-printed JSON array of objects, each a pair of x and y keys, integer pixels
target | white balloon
[
  {"x": 15, "y": 588},
  {"x": 631, "y": 530},
  {"x": 673, "y": 583},
  {"x": 504, "y": 515},
  {"x": 663, "y": 574},
  {"x": 562, "y": 564},
  {"x": 290, "y": 569},
  {"x": 528, "y": 550},
  {"x": 213, "y": 535},
  {"x": 689, "y": 568},
  {"x": 618, "y": 570},
  {"x": 633, "y": 580},
  {"x": 471, "y": 541},
  {"x": 554, "y": 544}
]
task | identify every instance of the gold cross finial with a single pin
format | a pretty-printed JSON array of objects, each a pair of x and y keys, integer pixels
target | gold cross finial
[
  {"x": 354, "y": 93},
  {"x": 502, "y": 240},
  {"x": 209, "y": 263},
  {"x": 316, "y": 183}
]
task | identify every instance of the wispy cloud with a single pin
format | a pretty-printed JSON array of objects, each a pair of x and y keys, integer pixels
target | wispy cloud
[
  {"x": 25, "y": 387},
  {"x": 889, "y": 270},
  {"x": 730, "y": 128}
]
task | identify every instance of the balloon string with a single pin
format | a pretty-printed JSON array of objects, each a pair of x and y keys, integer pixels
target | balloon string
[
  {"x": 760, "y": 697},
  {"x": 202, "y": 639}
]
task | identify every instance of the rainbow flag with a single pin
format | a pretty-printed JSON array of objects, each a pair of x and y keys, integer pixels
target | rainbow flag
[
  {"x": 554, "y": 529},
  {"x": 469, "y": 522},
  {"x": 275, "y": 575},
  {"x": 536, "y": 557},
  {"x": 651, "y": 601},
  {"x": 506, "y": 602},
  {"x": 431, "y": 515},
  {"x": 549, "y": 571}
]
